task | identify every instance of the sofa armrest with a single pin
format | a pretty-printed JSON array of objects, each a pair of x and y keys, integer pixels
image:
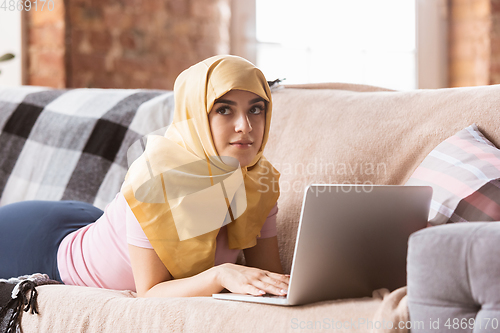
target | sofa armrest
[{"x": 454, "y": 278}]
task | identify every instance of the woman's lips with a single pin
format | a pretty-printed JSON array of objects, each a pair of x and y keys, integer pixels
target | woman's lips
[{"x": 241, "y": 145}]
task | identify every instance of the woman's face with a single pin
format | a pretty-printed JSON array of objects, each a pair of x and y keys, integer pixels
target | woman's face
[{"x": 237, "y": 121}]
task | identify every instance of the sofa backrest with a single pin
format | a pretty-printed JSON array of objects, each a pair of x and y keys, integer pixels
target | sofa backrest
[{"x": 338, "y": 133}]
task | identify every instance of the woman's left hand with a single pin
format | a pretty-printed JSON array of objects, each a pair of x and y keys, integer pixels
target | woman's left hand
[{"x": 249, "y": 280}]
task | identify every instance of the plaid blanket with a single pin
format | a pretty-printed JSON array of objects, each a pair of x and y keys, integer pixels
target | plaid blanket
[{"x": 72, "y": 144}]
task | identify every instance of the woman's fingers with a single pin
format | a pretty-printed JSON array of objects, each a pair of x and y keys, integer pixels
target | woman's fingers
[
  {"x": 281, "y": 277},
  {"x": 253, "y": 281},
  {"x": 283, "y": 280},
  {"x": 270, "y": 288},
  {"x": 273, "y": 283},
  {"x": 256, "y": 291}
]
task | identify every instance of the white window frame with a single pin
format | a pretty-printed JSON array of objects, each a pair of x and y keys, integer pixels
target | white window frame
[
  {"x": 431, "y": 39},
  {"x": 243, "y": 29},
  {"x": 11, "y": 42},
  {"x": 432, "y": 43}
]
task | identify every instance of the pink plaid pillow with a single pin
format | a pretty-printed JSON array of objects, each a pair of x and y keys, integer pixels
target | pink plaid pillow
[{"x": 464, "y": 172}]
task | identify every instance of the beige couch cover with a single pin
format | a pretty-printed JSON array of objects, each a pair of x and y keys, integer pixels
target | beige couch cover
[{"x": 330, "y": 133}]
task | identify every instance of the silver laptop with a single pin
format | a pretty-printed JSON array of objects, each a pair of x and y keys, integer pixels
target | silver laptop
[{"x": 351, "y": 240}]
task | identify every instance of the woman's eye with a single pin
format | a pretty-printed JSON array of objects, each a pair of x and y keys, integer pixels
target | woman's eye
[
  {"x": 257, "y": 109},
  {"x": 224, "y": 110}
]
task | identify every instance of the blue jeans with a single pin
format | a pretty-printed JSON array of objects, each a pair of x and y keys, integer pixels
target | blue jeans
[{"x": 31, "y": 231}]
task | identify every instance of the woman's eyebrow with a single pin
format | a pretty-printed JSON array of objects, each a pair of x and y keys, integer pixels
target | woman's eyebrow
[
  {"x": 258, "y": 99},
  {"x": 227, "y": 101}
]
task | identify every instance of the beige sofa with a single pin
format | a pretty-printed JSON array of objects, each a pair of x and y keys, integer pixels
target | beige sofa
[{"x": 363, "y": 134}]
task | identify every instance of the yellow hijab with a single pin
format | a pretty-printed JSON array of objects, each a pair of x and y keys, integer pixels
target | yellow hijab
[{"x": 182, "y": 192}]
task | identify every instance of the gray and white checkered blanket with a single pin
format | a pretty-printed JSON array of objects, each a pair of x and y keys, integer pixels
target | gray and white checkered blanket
[{"x": 72, "y": 144}]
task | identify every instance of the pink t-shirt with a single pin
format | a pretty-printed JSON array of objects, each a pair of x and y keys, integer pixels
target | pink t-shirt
[{"x": 97, "y": 254}]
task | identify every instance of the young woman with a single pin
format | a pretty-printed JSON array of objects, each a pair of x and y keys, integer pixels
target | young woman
[{"x": 165, "y": 234}]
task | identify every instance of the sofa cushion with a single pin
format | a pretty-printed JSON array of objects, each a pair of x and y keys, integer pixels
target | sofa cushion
[
  {"x": 464, "y": 172},
  {"x": 72, "y": 144},
  {"x": 453, "y": 273},
  {"x": 84, "y": 309}
]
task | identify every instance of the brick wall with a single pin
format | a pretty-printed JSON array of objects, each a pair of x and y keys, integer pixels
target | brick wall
[
  {"x": 147, "y": 43},
  {"x": 495, "y": 43},
  {"x": 474, "y": 38},
  {"x": 143, "y": 43},
  {"x": 126, "y": 44},
  {"x": 46, "y": 46}
]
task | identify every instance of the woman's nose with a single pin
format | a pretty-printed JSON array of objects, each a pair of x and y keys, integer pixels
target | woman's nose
[{"x": 243, "y": 124}]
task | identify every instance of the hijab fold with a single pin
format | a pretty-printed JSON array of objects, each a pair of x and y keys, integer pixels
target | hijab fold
[{"x": 182, "y": 192}]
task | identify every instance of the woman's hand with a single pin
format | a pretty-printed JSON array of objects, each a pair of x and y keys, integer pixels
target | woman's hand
[{"x": 249, "y": 280}]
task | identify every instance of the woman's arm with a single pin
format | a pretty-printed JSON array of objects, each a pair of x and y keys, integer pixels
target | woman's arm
[
  {"x": 264, "y": 255},
  {"x": 152, "y": 279}
]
